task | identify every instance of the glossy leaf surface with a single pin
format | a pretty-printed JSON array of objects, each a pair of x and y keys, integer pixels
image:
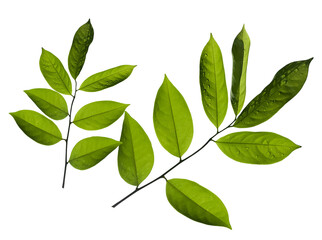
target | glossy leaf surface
[
  {"x": 90, "y": 151},
  {"x": 106, "y": 79},
  {"x": 213, "y": 83},
  {"x": 135, "y": 156},
  {"x": 256, "y": 147},
  {"x": 172, "y": 119},
  {"x": 49, "y": 102},
  {"x": 197, "y": 202},
  {"x": 77, "y": 54},
  {"x": 54, "y": 73},
  {"x": 37, "y": 127},
  {"x": 98, "y": 115},
  {"x": 240, "y": 51},
  {"x": 285, "y": 85}
]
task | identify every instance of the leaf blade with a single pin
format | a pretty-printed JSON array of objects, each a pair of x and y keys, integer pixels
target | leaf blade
[
  {"x": 196, "y": 202},
  {"x": 172, "y": 119},
  {"x": 256, "y": 147}
]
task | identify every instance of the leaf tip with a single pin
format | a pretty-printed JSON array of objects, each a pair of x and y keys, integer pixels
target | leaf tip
[
  {"x": 211, "y": 36},
  {"x": 89, "y": 21},
  {"x": 308, "y": 61}
]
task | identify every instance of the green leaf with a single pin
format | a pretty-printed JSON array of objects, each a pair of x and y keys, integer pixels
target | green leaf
[
  {"x": 213, "y": 83},
  {"x": 135, "y": 156},
  {"x": 256, "y": 147},
  {"x": 37, "y": 127},
  {"x": 77, "y": 54},
  {"x": 197, "y": 202},
  {"x": 54, "y": 73},
  {"x": 98, "y": 115},
  {"x": 172, "y": 119},
  {"x": 106, "y": 79},
  {"x": 240, "y": 52},
  {"x": 49, "y": 102},
  {"x": 90, "y": 151},
  {"x": 285, "y": 85}
]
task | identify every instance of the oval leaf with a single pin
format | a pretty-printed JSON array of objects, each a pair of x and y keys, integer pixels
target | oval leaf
[
  {"x": 77, "y": 54},
  {"x": 256, "y": 147},
  {"x": 240, "y": 52},
  {"x": 197, "y": 202},
  {"x": 37, "y": 127},
  {"x": 106, "y": 79},
  {"x": 213, "y": 83},
  {"x": 172, "y": 119},
  {"x": 49, "y": 102},
  {"x": 98, "y": 115},
  {"x": 135, "y": 156},
  {"x": 90, "y": 151},
  {"x": 54, "y": 73},
  {"x": 285, "y": 85}
]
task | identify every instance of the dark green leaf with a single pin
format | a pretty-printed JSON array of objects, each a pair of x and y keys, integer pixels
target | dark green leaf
[
  {"x": 37, "y": 127},
  {"x": 90, "y": 151},
  {"x": 285, "y": 85},
  {"x": 240, "y": 52},
  {"x": 172, "y": 119},
  {"x": 54, "y": 73},
  {"x": 106, "y": 79},
  {"x": 135, "y": 156},
  {"x": 49, "y": 102},
  {"x": 77, "y": 54},
  {"x": 256, "y": 147},
  {"x": 197, "y": 202},
  {"x": 213, "y": 83},
  {"x": 98, "y": 115}
]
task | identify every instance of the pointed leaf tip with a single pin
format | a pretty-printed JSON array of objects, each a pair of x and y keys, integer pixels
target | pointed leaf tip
[{"x": 309, "y": 60}]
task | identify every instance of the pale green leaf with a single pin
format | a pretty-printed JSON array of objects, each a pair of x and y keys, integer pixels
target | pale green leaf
[
  {"x": 172, "y": 119},
  {"x": 90, "y": 151},
  {"x": 54, "y": 73},
  {"x": 213, "y": 83},
  {"x": 98, "y": 115},
  {"x": 49, "y": 102},
  {"x": 197, "y": 202},
  {"x": 106, "y": 79},
  {"x": 37, "y": 127},
  {"x": 135, "y": 156}
]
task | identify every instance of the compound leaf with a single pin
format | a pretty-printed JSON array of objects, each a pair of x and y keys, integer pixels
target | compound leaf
[
  {"x": 287, "y": 82},
  {"x": 197, "y": 202},
  {"x": 98, "y": 115},
  {"x": 240, "y": 52},
  {"x": 213, "y": 83},
  {"x": 54, "y": 73},
  {"x": 49, "y": 102},
  {"x": 106, "y": 79},
  {"x": 77, "y": 54},
  {"x": 172, "y": 119},
  {"x": 135, "y": 156},
  {"x": 256, "y": 147},
  {"x": 37, "y": 127},
  {"x": 90, "y": 151}
]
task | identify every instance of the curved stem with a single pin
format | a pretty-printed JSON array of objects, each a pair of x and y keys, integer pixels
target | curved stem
[
  {"x": 173, "y": 167},
  {"x": 68, "y": 130}
]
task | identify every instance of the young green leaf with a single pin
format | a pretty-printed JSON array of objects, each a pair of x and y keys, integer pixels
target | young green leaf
[
  {"x": 54, "y": 73},
  {"x": 49, "y": 102},
  {"x": 135, "y": 156},
  {"x": 213, "y": 83},
  {"x": 106, "y": 79},
  {"x": 285, "y": 85},
  {"x": 98, "y": 115},
  {"x": 240, "y": 52},
  {"x": 172, "y": 119},
  {"x": 77, "y": 54},
  {"x": 90, "y": 151},
  {"x": 197, "y": 202},
  {"x": 37, "y": 127},
  {"x": 256, "y": 147}
]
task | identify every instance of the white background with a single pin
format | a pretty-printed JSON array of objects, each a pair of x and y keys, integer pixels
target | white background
[{"x": 279, "y": 201}]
